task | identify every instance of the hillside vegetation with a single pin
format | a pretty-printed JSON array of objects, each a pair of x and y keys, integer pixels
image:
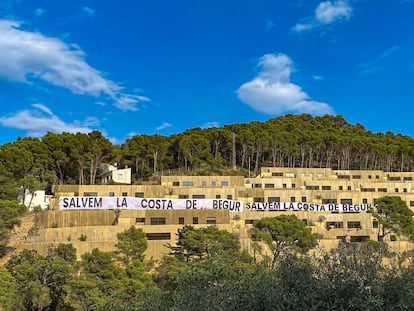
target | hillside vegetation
[{"x": 287, "y": 141}]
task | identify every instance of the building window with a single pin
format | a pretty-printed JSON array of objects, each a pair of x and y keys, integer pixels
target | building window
[
  {"x": 382, "y": 189},
  {"x": 124, "y": 194},
  {"x": 229, "y": 197},
  {"x": 249, "y": 222},
  {"x": 312, "y": 187},
  {"x": 356, "y": 176},
  {"x": 396, "y": 190},
  {"x": 326, "y": 187},
  {"x": 347, "y": 177},
  {"x": 341, "y": 188},
  {"x": 90, "y": 194},
  {"x": 346, "y": 201},
  {"x": 195, "y": 220},
  {"x": 187, "y": 183},
  {"x": 203, "y": 184},
  {"x": 284, "y": 186},
  {"x": 211, "y": 220},
  {"x": 158, "y": 221},
  {"x": 354, "y": 225},
  {"x": 349, "y": 188},
  {"x": 181, "y": 220},
  {"x": 334, "y": 225},
  {"x": 256, "y": 185},
  {"x": 257, "y": 199},
  {"x": 158, "y": 236},
  {"x": 328, "y": 201},
  {"x": 213, "y": 183},
  {"x": 364, "y": 201},
  {"x": 377, "y": 176},
  {"x": 224, "y": 183},
  {"x": 111, "y": 194},
  {"x": 369, "y": 176},
  {"x": 199, "y": 196},
  {"x": 292, "y": 199},
  {"x": 277, "y": 174},
  {"x": 176, "y": 183},
  {"x": 293, "y": 185},
  {"x": 270, "y": 185},
  {"x": 375, "y": 224},
  {"x": 359, "y": 238},
  {"x": 405, "y": 189},
  {"x": 183, "y": 196},
  {"x": 274, "y": 199},
  {"x": 367, "y": 189},
  {"x": 408, "y": 178},
  {"x": 411, "y": 203},
  {"x": 218, "y": 196},
  {"x": 140, "y": 221},
  {"x": 139, "y": 194},
  {"x": 394, "y": 178},
  {"x": 303, "y": 199}
]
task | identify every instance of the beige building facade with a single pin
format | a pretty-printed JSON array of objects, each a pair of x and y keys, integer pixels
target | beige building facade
[{"x": 350, "y": 191}]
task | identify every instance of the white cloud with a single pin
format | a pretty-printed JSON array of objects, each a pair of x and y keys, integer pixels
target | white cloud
[
  {"x": 327, "y": 12},
  {"x": 39, "y": 12},
  {"x": 40, "y": 120},
  {"x": 88, "y": 11},
  {"x": 376, "y": 63},
  {"x": 271, "y": 91},
  {"x": 27, "y": 56},
  {"x": 163, "y": 126},
  {"x": 211, "y": 124},
  {"x": 317, "y": 77}
]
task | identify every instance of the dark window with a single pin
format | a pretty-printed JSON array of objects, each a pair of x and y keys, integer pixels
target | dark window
[
  {"x": 199, "y": 196},
  {"x": 124, "y": 194},
  {"x": 181, "y": 220},
  {"x": 377, "y": 176},
  {"x": 284, "y": 186},
  {"x": 90, "y": 194},
  {"x": 183, "y": 196},
  {"x": 111, "y": 194},
  {"x": 367, "y": 189},
  {"x": 359, "y": 238},
  {"x": 269, "y": 185},
  {"x": 273, "y": 199},
  {"x": 341, "y": 237},
  {"x": 218, "y": 196},
  {"x": 334, "y": 225},
  {"x": 139, "y": 194},
  {"x": 405, "y": 189},
  {"x": 347, "y": 177},
  {"x": 340, "y": 188},
  {"x": 303, "y": 199},
  {"x": 349, "y": 188},
  {"x": 158, "y": 221},
  {"x": 364, "y": 201},
  {"x": 256, "y": 185},
  {"x": 375, "y": 224},
  {"x": 354, "y": 225},
  {"x": 229, "y": 197},
  {"x": 382, "y": 189},
  {"x": 356, "y": 176},
  {"x": 159, "y": 236},
  {"x": 326, "y": 187},
  {"x": 394, "y": 178},
  {"x": 411, "y": 203},
  {"x": 292, "y": 199},
  {"x": 176, "y": 183},
  {"x": 140, "y": 221},
  {"x": 369, "y": 176},
  {"x": 278, "y": 174},
  {"x": 258, "y": 199},
  {"x": 211, "y": 220},
  {"x": 346, "y": 201},
  {"x": 327, "y": 201},
  {"x": 195, "y": 220},
  {"x": 407, "y": 178},
  {"x": 396, "y": 190},
  {"x": 312, "y": 187},
  {"x": 293, "y": 185},
  {"x": 249, "y": 221}
]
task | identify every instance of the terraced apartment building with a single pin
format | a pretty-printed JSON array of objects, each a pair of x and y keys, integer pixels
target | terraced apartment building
[{"x": 332, "y": 203}]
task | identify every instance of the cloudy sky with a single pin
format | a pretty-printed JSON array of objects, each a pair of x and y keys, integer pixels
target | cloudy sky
[{"x": 151, "y": 66}]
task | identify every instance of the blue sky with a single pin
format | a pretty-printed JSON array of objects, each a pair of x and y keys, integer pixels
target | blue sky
[{"x": 146, "y": 67}]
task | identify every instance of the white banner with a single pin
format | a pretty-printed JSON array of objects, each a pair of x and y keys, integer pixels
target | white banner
[
  {"x": 310, "y": 207},
  {"x": 101, "y": 203}
]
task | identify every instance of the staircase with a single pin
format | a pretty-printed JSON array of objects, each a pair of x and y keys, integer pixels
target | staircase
[{"x": 19, "y": 234}]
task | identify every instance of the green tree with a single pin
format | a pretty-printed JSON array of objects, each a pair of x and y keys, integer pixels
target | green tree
[
  {"x": 284, "y": 233},
  {"x": 8, "y": 291},
  {"x": 132, "y": 243},
  {"x": 394, "y": 216}
]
